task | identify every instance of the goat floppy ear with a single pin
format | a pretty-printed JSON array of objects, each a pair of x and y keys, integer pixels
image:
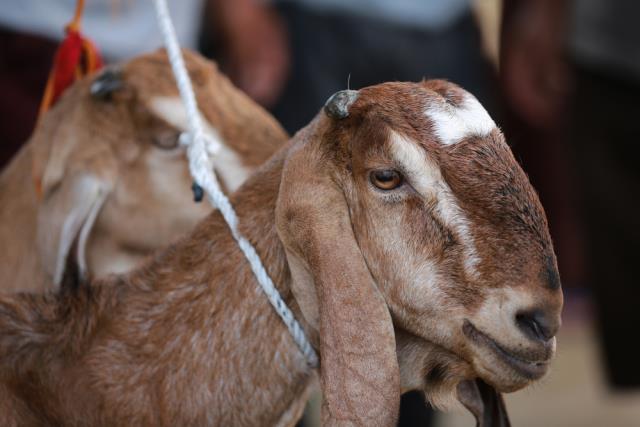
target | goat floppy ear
[
  {"x": 358, "y": 365},
  {"x": 65, "y": 216},
  {"x": 484, "y": 402},
  {"x": 74, "y": 175}
]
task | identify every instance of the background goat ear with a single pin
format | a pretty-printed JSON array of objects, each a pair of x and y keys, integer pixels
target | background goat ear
[
  {"x": 73, "y": 173},
  {"x": 358, "y": 368},
  {"x": 484, "y": 402},
  {"x": 67, "y": 215},
  {"x": 106, "y": 83}
]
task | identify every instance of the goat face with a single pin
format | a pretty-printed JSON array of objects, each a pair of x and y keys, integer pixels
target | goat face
[
  {"x": 110, "y": 151},
  {"x": 404, "y": 202}
]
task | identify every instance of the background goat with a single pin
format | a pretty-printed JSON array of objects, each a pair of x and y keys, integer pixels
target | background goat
[
  {"x": 111, "y": 174},
  {"x": 397, "y": 226}
]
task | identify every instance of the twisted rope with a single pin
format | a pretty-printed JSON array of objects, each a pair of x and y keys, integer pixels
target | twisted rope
[{"x": 200, "y": 145}]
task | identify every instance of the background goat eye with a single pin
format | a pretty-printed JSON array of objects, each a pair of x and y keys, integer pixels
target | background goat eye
[
  {"x": 166, "y": 140},
  {"x": 386, "y": 179}
]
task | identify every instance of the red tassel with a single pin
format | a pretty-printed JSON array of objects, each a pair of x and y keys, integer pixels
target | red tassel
[
  {"x": 75, "y": 58},
  {"x": 66, "y": 61}
]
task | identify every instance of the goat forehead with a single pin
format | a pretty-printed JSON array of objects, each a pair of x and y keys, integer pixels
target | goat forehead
[
  {"x": 435, "y": 111},
  {"x": 453, "y": 122}
]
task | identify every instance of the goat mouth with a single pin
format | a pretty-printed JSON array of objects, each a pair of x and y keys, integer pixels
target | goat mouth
[{"x": 526, "y": 368}]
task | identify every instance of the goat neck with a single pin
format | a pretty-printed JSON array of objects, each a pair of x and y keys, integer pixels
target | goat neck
[{"x": 192, "y": 322}]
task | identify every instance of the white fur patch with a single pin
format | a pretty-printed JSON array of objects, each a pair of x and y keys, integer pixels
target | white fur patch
[
  {"x": 226, "y": 161},
  {"x": 452, "y": 124},
  {"x": 425, "y": 176}
]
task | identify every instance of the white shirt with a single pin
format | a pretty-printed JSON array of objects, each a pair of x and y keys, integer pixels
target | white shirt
[
  {"x": 425, "y": 14},
  {"x": 120, "y": 28}
]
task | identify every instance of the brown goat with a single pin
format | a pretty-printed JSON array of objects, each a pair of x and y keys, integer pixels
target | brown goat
[
  {"x": 399, "y": 229},
  {"x": 110, "y": 149}
]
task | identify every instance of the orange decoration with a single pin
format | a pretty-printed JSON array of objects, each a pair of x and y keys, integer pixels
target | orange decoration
[{"x": 76, "y": 57}]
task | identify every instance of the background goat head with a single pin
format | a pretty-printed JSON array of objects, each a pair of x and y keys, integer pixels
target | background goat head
[
  {"x": 408, "y": 210},
  {"x": 112, "y": 176}
]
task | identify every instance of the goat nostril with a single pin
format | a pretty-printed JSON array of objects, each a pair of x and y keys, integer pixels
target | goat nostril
[{"x": 536, "y": 325}]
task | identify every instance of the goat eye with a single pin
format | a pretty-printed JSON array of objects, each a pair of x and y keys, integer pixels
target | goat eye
[
  {"x": 387, "y": 179},
  {"x": 166, "y": 140}
]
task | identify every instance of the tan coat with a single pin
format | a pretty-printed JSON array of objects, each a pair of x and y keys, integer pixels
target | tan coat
[{"x": 109, "y": 149}]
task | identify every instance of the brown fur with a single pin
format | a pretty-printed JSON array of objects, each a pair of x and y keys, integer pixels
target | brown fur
[
  {"x": 189, "y": 339},
  {"x": 110, "y": 144}
]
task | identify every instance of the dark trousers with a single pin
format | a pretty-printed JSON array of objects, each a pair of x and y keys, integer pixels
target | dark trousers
[
  {"x": 25, "y": 61},
  {"x": 331, "y": 51},
  {"x": 605, "y": 140}
]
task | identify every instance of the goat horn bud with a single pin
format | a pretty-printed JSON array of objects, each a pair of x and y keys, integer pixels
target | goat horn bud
[
  {"x": 107, "y": 82},
  {"x": 337, "y": 106}
]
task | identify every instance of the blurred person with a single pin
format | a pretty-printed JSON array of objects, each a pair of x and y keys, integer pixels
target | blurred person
[
  {"x": 249, "y": 39},
  {"x": 583, "y": 57},
  {"x": 331, "y": 44},
  {"x": 30, "y": 31},
  {"x": 533, "y": 51}
]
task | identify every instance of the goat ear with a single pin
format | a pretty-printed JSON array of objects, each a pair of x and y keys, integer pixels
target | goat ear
[
  {"x": 66, "y": 215},
  {"x": 484, "y": 402},
  {"x": 358, "y": 368},
  {"x": 73, "y": 173}
]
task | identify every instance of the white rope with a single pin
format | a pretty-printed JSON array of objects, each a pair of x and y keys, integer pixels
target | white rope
[{"x": 201, "y": 167}]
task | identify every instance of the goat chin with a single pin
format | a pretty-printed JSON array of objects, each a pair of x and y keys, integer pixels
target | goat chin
[
  {"x": 442, "y": 394},
  {"x": 431, "y": 369}
]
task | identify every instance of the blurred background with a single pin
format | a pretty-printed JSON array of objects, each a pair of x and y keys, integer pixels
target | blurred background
[{"x": 561, "y": 77}]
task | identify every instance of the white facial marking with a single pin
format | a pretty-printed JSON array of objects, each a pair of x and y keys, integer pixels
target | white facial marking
[
  {"x": 452, "y": 124},
  {"x": 422, "y": 172},
  {"x": 425, "y": 176},
  {"x": 226, "y": 161}
]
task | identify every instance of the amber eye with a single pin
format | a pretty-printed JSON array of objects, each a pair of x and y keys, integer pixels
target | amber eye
[{"x": 387, "y": 179}]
